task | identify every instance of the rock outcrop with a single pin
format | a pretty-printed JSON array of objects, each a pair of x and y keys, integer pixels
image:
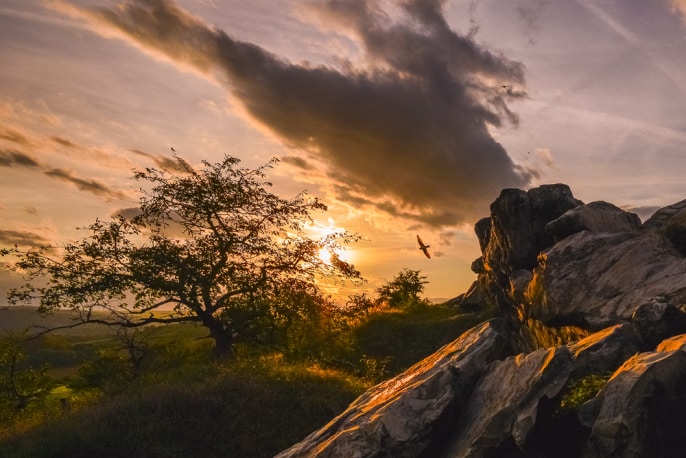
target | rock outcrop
[{"x": 586, "y": 356}]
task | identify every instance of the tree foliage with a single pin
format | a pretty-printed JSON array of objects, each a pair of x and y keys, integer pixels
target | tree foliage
[
  {"x": 213, "y": 246},
  {"x": 403, "y": 290},
  {"x": 19, "y": 384}
]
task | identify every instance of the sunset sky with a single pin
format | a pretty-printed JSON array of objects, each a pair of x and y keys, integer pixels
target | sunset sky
[{"x": 404, "y": 117}]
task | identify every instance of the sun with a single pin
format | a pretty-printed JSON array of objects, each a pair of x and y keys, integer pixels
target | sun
[{"x": 325, "y": 256}]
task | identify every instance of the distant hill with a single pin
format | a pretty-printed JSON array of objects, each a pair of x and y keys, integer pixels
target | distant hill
[{"x": 19, "y": 318}]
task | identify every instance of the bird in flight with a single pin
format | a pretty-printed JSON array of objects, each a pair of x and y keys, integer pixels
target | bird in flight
[{"x": 423, "y": 247}]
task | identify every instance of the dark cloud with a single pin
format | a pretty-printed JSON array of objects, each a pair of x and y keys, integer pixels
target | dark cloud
[
  {"x": 92, "y": 186},
  {"x": 9, "y": 237},
  {"x": 12, "y": 158},
  {"x": 408, "y": 133},
  {"x": 297, "y": 161},
  {"x": 127, "y": 213}
]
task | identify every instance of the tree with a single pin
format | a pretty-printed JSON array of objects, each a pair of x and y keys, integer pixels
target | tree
[
  {"x": 403, "y": 290},
  {"x": 18, "y": 384},
  {"x": 214, "y": 245}
]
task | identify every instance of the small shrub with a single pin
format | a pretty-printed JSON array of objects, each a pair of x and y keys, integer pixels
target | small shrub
[{"x": 582, "y": 389}]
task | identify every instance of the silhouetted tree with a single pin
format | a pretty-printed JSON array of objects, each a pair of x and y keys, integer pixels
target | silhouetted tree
[
  {"x": 19, "y": 384},
  {"x": 403, "y": 290},
  {"x": 214, "y": 245}
]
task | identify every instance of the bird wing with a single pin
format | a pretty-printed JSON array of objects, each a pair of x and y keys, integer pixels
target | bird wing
[{"x": 423, "y": 247}]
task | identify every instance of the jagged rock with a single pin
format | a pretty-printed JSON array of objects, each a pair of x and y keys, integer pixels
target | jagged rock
[
  {"x": 519, "y": 281},
  {"x": 656, "y": 319},
  {"x": 517, "y": 224},
  {"x": 504, "y": 404},
  {"x": 483, "y": 232},
  {"x": 595, "y": 280},
  {"x": 663, "y": 216},
  {"x": 478, "y": 266},
  {"x": 473, "y": 299},
  {"x": 673, "y": 343},
  {"x": 640, "y": 411},
  {"x": 403, "y": 416},
  {"x": 596, "y": 216},
  {"x": 671, "y": 222},
  {"x": 605, "y": 350}
]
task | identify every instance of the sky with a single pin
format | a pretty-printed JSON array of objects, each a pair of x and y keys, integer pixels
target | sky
[{"x": 405, "y": 117}]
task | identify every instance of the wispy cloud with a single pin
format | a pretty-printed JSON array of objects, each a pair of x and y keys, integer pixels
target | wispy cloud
[
  {"x": 165, "y": 162},
  {"x": 160, "y": 161},
  {"x": 9, "y": 237},
  {"x": 14, "y": 136},
  {"x": 408, "y": 133},
  {"x": 530, "y": 15},
  {"x": 13, "y": 158},
  {"x": 545, "y": 155},
  {"x": 64, "y": 142},
  {"x": 84, "y": 184}
]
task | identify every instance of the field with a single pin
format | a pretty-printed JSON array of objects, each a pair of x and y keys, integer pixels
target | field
[{"x": 178, "y": 402}]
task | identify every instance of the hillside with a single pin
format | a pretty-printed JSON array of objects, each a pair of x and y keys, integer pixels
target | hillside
[{"x": 20, "y": 318}]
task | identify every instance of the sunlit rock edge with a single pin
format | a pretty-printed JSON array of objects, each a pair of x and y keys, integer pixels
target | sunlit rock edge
[{"x": 577, "y": 291}]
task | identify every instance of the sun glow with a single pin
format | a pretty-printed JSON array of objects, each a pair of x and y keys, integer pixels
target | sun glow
[{"x": 325, "y": 256}]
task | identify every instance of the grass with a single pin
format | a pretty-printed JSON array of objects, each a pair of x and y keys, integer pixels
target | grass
[
  {"x": 180, "y": 404},
  {"x": 251, "y": 411},
  {"x": 582, "y": 389},
  {"x": 404, "y": 336}
]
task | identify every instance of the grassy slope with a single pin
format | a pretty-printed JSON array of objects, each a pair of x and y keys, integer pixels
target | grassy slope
[{"x": 254, "y": 407}]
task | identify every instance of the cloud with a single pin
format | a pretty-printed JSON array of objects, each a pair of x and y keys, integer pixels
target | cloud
[
  {"x": 92, "y": 186},
  {"x": 10, "y": 237},
  {"x": 127, "y": 213},
  {"x": 408, "y": 132},
  {"x": 297, "y": 161},
  {"x": 545, "y": 155},
  {"x": 64, "y": 142},
  {"x": 15, "y": 137},
  {"x": 165, "y": 162},
  {"x": 679, "y": 7},
  {"x": 12, "y": 158},
  {"x": 530, "y": 15}
]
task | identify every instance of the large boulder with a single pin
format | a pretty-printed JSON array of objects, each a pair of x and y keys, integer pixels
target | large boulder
[
  {"x": 596, "y": 216},
  {"x": 405, "y": 416},
  {"x": 517, "y": 226},
  {"x": 595, "y": 280},
  {"x": 670, "y": 221},
  {"x": 640, "y": 411},
  {"x": 604, "y": 350},
  {"x": 503, "y": 407}
]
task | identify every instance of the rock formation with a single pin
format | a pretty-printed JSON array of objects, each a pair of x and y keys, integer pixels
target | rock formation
[{"x": 586, "y": 355}]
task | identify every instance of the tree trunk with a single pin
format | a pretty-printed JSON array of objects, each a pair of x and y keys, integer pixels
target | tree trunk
[{"x": 223, "y": 341}]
